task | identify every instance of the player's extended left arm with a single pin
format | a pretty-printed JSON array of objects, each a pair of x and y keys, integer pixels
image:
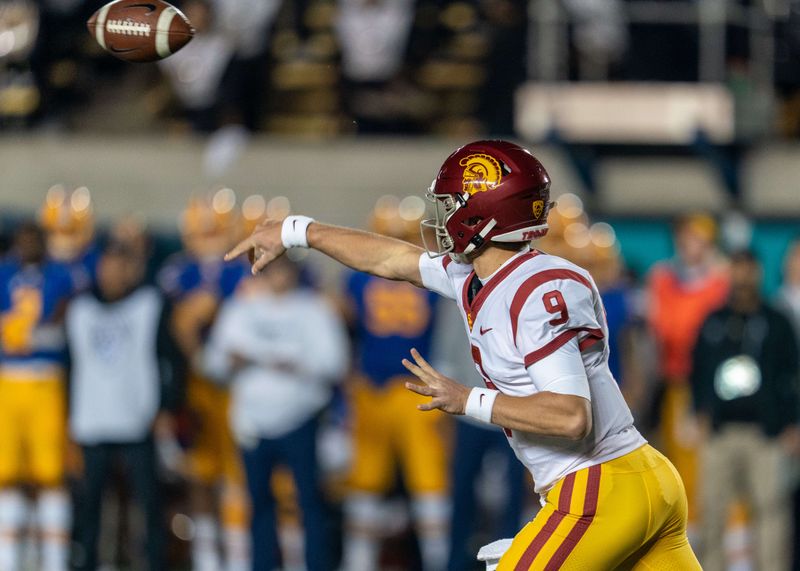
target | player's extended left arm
[
  {"x": 363, "y": 251},
  {"x": 546, "y": 413}
]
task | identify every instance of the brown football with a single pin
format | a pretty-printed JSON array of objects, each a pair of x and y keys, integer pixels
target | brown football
[{"x": 140, "y": 30}]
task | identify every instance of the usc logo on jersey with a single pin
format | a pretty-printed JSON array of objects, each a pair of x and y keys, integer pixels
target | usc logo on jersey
[
  {"x": 481, "y": 173},
  {"x": 396, "y": 309}
]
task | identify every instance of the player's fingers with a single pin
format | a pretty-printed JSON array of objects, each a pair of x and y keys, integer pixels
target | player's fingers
[
  {"x": 422, "y": 362},
  {"x": 240, "y": 248},
  {"x": 424, "y": 390},
  {"x": 262, "y": 262},
  {"x": 433, "y": 404},
  {"x": 416, "y": 371}
]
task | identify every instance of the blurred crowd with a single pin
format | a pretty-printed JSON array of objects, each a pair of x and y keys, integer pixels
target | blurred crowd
[
  {"x": 324, "y": 67},
  {"x": 176, "y": 412}
]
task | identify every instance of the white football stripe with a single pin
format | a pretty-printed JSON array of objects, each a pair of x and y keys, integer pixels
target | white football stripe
[
  {"x": 100, "y": 28},
  {"x": 162, "y": 31}
]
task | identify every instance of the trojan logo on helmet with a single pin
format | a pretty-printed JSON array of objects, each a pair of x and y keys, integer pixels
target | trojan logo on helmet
[
  {"x": 481, "y": 173},
  {"x": 487, "y": 191}
]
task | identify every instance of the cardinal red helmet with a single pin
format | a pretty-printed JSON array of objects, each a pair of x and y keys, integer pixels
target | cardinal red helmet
[{"x": 487, "y": 191}]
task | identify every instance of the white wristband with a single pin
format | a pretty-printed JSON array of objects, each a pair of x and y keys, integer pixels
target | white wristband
[
  {"x": 293, "y": 231},
  {"x": 480, "y": 403}
]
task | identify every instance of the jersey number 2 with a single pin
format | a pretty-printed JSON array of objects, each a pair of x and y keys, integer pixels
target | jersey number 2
[{"x": 554, "y": 303}]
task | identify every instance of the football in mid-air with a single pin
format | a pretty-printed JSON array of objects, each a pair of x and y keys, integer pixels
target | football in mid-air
[{"x": 140, "y": 30}]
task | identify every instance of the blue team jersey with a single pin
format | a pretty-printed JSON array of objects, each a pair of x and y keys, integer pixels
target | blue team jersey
[
  {"x": 618, "y": 315},
  {"x": 183, "y": 274},
  {"x": 32, "y": 301},
  {"x": 391, "y": 318}
]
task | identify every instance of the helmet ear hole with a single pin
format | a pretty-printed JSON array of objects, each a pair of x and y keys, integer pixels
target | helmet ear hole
[{"x": 473, "y": 221}]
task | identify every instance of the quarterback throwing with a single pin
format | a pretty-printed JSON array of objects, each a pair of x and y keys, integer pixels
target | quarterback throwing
[{"x": 538, "y": 335}]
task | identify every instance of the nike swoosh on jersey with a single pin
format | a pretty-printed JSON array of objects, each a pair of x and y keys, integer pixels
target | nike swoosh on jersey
[{"x": 486, "y": 330}]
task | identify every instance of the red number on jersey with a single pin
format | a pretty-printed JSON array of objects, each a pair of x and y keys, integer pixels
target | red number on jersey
[
  {"x": 554, "y": 303},
  {"x": 476, "y": 356}
]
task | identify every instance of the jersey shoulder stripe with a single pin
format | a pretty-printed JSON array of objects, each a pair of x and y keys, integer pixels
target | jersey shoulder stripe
[
  {"x": 530, "y": 284},
  {"x": 594, "y": 335}
]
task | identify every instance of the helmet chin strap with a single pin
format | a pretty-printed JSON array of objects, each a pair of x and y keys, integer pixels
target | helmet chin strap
[{"x": 479, "y": 239}]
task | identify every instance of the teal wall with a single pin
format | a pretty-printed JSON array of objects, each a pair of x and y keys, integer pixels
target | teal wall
[{"x": 645, "y": 242}]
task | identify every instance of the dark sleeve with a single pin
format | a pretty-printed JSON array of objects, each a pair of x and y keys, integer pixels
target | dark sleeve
[
  {"x": 789, "y": 369},
  {"x": 700, "y": 378},
  {"x": 172, "y": 364}
]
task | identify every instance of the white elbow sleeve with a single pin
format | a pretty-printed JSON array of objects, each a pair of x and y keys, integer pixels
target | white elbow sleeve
[{"x": 562, "y": 372}]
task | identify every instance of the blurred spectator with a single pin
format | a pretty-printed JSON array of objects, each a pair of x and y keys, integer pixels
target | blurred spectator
[
  {"x": 788, "y": 300},
  {"x": 786, "y": 26},
  {"x": 56, "y": 60},
  {"x": 373, "y": 37},
  {"x": 390, "y": 435},
  {"x": 505, "y": 65},
  {"x": 221, "y": 76},
  {"x": 281, "y": 348},
  {"x": 248, "y": 24},
  {"x": 20, "y": 97},
  {"x": 197, "y": 280},
  {"x": 125, "y": 368},
  {"x": 33, "y": 295},
  {"x": 131, "y": 232},
  {"x": 600, "y": 35},
  {"x": 789, "y": 294},
  {"x": 68, "y": 220},
  {"x": 195, "y": 73},
  {"x": 476, "y": 445},
  {"x": 746, "y": 394},
  {"x": 682, "y": 292}
]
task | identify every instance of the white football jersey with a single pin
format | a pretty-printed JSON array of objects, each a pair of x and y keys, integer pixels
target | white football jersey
[{"x": 526, "y": 311}]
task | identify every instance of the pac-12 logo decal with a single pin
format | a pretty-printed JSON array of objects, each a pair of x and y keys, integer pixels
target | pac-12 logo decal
[
  {"x": 538, "y": 208},
  {"x": 481, "y": 173}
]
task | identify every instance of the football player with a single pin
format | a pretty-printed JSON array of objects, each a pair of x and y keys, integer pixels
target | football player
[
  {"x": 390, "y": 318},
  {"x": 539, "y": 339},
  {"x": 682, "y": 292},
  {"x": 33, "y": 295},
  {"x": 68, "y": 220},
  {"x": 197, "y": 281}
]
